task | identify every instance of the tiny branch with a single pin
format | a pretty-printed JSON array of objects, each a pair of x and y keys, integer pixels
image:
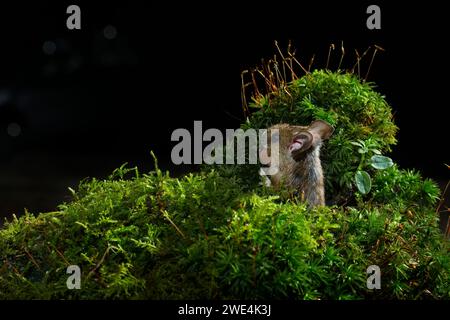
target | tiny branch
[
  {"x": 329, "y": 54},
  {"x": 31, "y": 258},
  {"x": 166, "y": 215},
  {"x": 99, "y": 263}
]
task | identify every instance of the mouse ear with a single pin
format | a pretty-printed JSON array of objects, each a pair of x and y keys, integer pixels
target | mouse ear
[
  {"x": 300, "y": 143},
  {"x": 321, "y": 129}
]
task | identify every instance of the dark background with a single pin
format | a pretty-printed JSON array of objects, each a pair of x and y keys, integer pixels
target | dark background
[{"x": 86, "y": 104}]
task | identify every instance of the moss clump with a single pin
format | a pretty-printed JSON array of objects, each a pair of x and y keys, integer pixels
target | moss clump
[
  {"x": 202, "y": 236},
  {"x": 351, "y": 106},
  {"x": 218, "y": 235}
]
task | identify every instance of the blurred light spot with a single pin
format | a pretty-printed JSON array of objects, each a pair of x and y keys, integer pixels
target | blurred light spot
[
  {"x": 14, "y": 129},
  {"x": 110, "y": 32},
  {"x": 49, "y": 47}
]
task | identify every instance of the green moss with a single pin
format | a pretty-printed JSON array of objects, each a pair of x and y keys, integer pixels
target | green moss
[
  {"x": 353, "y": 107},
  {"x": 201, "y": 236},
  {"x": 219, "y": 235}
]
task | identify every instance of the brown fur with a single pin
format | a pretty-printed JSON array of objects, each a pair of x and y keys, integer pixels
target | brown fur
[{"x": 301, "y": 170}]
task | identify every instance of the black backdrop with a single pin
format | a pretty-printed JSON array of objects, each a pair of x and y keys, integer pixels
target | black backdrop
[{"x": 86, "y": 104}]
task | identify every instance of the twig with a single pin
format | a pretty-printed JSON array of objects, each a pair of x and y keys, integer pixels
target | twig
[
  {"x": 99, "y": 263},
  {"x": 254, "y": 83},
  {"x": 60, "y": 254},
  {"x": 166, "y": 215},
  {"x": 371, "y": 61},
  {"x": 14, "y": 268},
  {"x": 31, "y": 258},
  {"x": 295, "y": 59},
  {"x": 279, "y": 76},
  {"x": 360, "y": 58},
  {"x": 342, "y": 54},
  {"x": 267, "y": 81},
  {"x": 441, "y": 201},
  {"x": 311, "y": 63},
  {"x": 243, "y": 97},
  {"x": 329, "y": 54},
  {"x": 283, "y": 64}
]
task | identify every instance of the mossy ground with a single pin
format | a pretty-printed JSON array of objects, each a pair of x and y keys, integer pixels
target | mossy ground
[{"x": 217, "y": 234}]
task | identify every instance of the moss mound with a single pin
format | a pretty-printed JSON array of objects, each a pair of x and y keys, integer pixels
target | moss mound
[
  {"x": 357, "y": 112},
  {"x": 215, "y": 235},
  {"x": 201, "y": 236}
]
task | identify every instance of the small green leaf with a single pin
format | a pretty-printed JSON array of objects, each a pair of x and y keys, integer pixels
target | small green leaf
[
  {"x": 381, "y": 162},
  {"x": 363, "y": 182},
  {"x": 356, "y": 143},
  {"x": 376, "y": 151},
  {"x": 363, "y": 150}
]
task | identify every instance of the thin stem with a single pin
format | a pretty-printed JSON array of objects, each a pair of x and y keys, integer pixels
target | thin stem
[{"x": 329, "y": 54}]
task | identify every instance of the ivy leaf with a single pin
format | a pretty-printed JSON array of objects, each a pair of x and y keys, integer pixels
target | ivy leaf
[
  {"x": 363, "y": 181},
  {"x": 381, "y": 162}
]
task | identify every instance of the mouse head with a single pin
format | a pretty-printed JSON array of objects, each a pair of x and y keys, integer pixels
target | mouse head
[
  {"x": 304, "y": 139},
  {"x": 287, "y": 144}
]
